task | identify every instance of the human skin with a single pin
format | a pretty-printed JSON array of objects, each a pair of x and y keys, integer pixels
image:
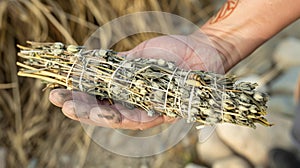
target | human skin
[{"x": 233, "y": 34}]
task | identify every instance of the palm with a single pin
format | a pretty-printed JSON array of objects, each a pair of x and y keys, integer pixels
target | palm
[{"x": 82, "y": 107}]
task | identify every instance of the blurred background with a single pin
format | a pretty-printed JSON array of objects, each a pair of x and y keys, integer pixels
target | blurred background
[{"x": 34, "y": 133}]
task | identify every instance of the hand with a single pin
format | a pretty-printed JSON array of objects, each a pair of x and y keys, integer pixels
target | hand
[{"x": 189, "y": 52}]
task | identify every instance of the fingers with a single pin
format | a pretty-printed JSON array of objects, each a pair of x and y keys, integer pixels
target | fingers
[
  {"x": 111, "y": 116},
  {"x": 59, "y": 96},
  {"x": 86, "y": 109},
  {"x": 76, "y": 110},
  {"x": 81, "y": 111},
  {"x": 105, "y": 117},
  {"x": 137, "y": 118},
  {"x": 125, "y": 119}
]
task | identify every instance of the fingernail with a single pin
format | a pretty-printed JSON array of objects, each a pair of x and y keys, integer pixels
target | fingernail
[
  {"x": 59, "y": 96},
  {"x": 76, "y": 109},
  {"x": 69, "y": 110}
]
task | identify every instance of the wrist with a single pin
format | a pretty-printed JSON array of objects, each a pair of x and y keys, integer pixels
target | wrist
[
  {"x": 225, "y": 45},
  {"x": 240, "y": 27},
  {"x": 204, "y": 51}
]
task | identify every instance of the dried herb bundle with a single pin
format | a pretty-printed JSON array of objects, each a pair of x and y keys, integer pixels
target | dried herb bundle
[{"x": 155, "y": 85}]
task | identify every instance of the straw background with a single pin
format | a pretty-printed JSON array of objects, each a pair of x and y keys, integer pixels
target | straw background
[{"x": 33, "y": 132}]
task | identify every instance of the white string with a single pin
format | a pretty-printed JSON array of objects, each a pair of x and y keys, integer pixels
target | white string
[
  {"x": 72, "y": 67},
  {"x": 69, "y": 73},
  {"x": 222, "y": 103},
  {"x": 132, "y": 77},
  {"x": 222, "y": 96},
  {"x": 186, "y": 76},
  {"x": 180, "y": 110},
  {"x": 215, "y": 85},
  {"x": 166, "y": 95},
  {"x": 82, "y": 72},
  {"x": 178, "y": 99},
  {"x": 191, "y": 96},
  {"x": 190, "y": 104},
  {"x": 112, "y": 76}
]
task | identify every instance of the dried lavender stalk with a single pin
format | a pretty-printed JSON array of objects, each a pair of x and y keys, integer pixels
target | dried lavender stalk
[{"x": 155, "y": 85}]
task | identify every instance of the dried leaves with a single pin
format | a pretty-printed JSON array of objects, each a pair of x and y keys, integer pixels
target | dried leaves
[{"x": 154, "y": 85}]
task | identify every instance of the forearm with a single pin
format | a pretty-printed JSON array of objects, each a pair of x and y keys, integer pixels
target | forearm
[{"x": 244, "y": 25}]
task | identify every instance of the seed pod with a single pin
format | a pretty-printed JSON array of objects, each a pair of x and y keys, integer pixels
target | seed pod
[
  {"x": 73, "y": 48},
  {"x": 242, "y": 108},
  {"x": 58, "y": 51},
  {"x": 258, "y": 96},
  {"x": 58, "y": 45},
  {"x": 161, "y": 62}
]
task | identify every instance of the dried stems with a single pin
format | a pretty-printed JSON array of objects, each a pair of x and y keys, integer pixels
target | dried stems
[{"x": 154, "y": 85}]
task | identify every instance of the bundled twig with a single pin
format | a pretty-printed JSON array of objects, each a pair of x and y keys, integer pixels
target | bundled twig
[{"x": 155, "y": 85}]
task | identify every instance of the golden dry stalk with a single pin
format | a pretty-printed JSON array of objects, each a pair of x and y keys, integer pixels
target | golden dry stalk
[{"x": 155, "y": 85}]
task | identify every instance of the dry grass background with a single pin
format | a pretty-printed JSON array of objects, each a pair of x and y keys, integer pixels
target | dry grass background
[{"x": 33, "y": 132}]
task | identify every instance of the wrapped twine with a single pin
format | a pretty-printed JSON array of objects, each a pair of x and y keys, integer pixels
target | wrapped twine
[{"x": 155, "y": 85}]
